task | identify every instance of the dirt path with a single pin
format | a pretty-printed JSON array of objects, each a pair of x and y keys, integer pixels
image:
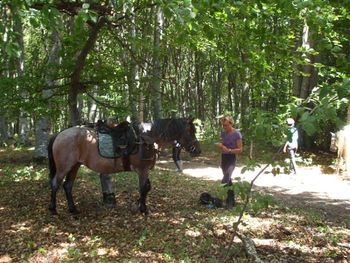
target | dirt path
[{"x": 310, "y": 188}]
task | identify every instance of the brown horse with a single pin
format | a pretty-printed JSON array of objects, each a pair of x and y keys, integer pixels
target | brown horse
[
  {"x": 340, "y": 143},
  {"x": 77, "y": 146},
  {"x": 179, "y": 133}
]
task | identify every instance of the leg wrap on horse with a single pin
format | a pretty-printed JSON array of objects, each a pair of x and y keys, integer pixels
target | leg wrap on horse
[
  {"x": 143, "y": 194},
  {"x": 145, "y": 189}
]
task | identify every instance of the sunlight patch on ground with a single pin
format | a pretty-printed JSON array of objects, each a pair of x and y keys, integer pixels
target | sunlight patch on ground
[
  {"x": 308, "y": 180},
  {"x": 209, "y": 173},
  {"x": 164, "y": 161}
]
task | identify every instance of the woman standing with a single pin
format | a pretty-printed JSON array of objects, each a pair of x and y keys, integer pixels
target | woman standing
[{"x": 231, "y": 144}]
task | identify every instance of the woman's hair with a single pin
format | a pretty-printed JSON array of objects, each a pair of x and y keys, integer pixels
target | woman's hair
[{"x": 228, "y": 119}]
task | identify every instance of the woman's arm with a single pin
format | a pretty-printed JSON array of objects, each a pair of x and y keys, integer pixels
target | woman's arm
[{"x": 238, "y": 149}]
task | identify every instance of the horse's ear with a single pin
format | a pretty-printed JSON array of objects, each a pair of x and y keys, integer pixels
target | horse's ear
[{"x": 332, "y": 133}]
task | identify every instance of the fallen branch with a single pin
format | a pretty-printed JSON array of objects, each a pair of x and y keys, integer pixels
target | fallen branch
[{"x": 249, "y": 247}]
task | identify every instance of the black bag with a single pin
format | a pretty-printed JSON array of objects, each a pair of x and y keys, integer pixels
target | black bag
[{"x": 210, "y": 201}]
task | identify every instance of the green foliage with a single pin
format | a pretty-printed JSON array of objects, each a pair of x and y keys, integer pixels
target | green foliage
[
  {"x": 19, "y": 174},
  {"x": 203, "y": 43},
  {"x": 264, "y": 127}
]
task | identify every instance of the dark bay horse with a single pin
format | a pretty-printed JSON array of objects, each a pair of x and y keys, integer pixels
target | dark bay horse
[
  {"x": 176, "y": 133},
  {"x": 340, "y": 143},
  {"x": 77, "y": 146}
]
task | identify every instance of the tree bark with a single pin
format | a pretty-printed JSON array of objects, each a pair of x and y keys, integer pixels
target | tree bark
[
  {"x": 231, "y": 90},
  {"x": 43, "y": 126},
  {"x": 133, "y": 81},
  {"x": 3, "y": 131},
  {"x": 156, "y": 76},
  {"x": 199, "y": 85},
  {"x": 24, "y": 123},
  {"x": 75, "y": 85}
]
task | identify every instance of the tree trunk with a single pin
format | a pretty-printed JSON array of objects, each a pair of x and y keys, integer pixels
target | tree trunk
[
  {"x": 156, "y": 78},
  {"x": 3, "y": 131},
  {"x": 245, "y": 99},
  {"x": 216, "y": 77},
  {"x": 43, "y": 126},
  {"x": 133, "y": 81},
  {"x": 24, "y": 121},
  {"x": 75, "y": 85},
  {"x": 92, "y": 108},
  {"x": 306, "y": 81},
  {"x": 231, "y": 87},
  {"x": 199, "y": 84}
]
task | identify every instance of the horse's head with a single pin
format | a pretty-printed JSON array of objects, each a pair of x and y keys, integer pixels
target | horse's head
[
  {"x": 188, "y": 139},
  {"x": 334, "y": 142}
]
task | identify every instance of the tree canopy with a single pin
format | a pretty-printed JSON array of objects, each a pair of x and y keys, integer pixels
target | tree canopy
[{"x": 69, "y": 62}]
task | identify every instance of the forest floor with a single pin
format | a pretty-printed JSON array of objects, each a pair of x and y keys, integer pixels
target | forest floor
[
  {"x": 316, "y": 186},
  {"x": 304, "y": 217}
]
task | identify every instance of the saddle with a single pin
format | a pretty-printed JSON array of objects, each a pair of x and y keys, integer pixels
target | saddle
[
  {"x": 122, "y": 141},
  {"x": 116, "y": 142}
]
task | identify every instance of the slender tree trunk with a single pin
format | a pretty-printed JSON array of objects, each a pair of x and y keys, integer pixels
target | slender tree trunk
[
  {"x": 156, "y": 78},
  {"x": 199, "y": 85},
  {"x": 93, "y": 109},
  {"x": 24, "y": 121},
  {"x": 3, "y": 131},
  {"x": 216, "y": 75},
  {"x": 43, "y": 126},
  {"x": 306, "y": 81},
  {"x": 231, "y": 86},
  {"x": 133, "y": 82}
]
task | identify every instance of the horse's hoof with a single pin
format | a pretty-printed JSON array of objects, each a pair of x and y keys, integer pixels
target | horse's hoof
[
  {"x": 144, "y": 210},
  {"x": 109, "y": 200},
  {"x": 74, "y": 212},
  {"x": 53, "y": 211},
  {"x": 110, "y": 206},
  {"x": 147, "y": 212}
]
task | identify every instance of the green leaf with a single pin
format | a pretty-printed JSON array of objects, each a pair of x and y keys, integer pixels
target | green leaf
[{"x": 309, "y": 128}]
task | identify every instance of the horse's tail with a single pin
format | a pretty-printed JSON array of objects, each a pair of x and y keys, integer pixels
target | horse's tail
[{"x": 52, "y": 165}]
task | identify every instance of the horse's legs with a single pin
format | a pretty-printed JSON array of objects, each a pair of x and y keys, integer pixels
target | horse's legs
[
  {"x": 144, "y": 188},
  {"x": 107, "y": 190},
  {"x": 68, "y": 186},
  {"x": 176, "y": 156},
  {"x": 55, "y": 183}
]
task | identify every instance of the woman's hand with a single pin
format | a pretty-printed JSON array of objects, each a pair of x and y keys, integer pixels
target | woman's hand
[{"x": 225, "y": 149}]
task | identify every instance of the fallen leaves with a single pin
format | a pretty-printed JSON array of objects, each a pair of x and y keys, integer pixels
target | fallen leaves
[{"x": 177, "y": 229}]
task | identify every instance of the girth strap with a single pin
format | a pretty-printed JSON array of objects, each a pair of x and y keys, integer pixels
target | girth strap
[{"x": 126, "y": 163}]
